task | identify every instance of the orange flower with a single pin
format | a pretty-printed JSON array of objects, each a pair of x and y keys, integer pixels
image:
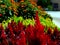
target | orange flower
[
  {"x": 12, "y": 1},
  {"x": 39, "y": 7},
  {"x": 22, "y": 0}
]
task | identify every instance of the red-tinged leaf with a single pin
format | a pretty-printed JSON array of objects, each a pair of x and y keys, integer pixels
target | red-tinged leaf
[{"x": 10, "y": 27}]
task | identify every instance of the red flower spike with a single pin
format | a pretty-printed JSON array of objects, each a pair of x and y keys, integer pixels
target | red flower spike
[
  {"x": 48, "y": 40},
  {"x": 17, "y": 42},
  {"x": 5, "y": 42},
  {"x": 49, "y": 31},
  {"x": 11, "y": 30},
  {"x": 56, "y": 31},
  {"x": 30, "y": 32},
  {"x": 13, "y": 23},
  {"x": 43, "y": 39},
  {"x": 3, "y": 35},
  {"x": 12, "y": 41},
  {"x": 22, "y": 40},
  {"x": 36, "y": 17},
  {"x": 10, "y": 27},
  {"x": 20, "y": 26},
  {"x": 15, "y": 28},
  {"x": 38, "y": 26}
]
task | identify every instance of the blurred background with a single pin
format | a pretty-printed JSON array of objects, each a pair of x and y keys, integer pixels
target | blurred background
[
  {"x": 49, "y": 4},
  {"x": 56, "y": 17}
]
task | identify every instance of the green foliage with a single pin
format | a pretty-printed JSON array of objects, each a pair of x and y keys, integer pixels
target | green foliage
[
  {"x": 59, "y": 29},
  {"x": 16, "y": 19},
  {"x": 4, "y": 10},
  {"x": 47, "y": 22},
  {"x": 7, "y": 2},
  {"x": 26, "y": 11}
]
